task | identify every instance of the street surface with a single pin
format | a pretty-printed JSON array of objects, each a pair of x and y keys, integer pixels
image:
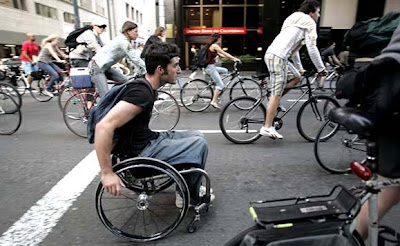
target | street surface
[{"x": 43, "y": 152}]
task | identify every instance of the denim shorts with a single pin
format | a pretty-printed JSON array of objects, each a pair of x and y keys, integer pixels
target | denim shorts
[{"x": 28, "y": 67}]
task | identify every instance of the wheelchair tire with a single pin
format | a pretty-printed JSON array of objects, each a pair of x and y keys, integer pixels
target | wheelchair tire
[{"x": 143, "y": 212}]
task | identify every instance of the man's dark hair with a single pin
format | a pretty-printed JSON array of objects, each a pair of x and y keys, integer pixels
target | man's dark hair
[
  {"x": 160, "y": 54},
  {"x": 309, "y": 6}
]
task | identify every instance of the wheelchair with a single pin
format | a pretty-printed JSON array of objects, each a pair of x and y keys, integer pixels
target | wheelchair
[{"x": 146, "y": 210}]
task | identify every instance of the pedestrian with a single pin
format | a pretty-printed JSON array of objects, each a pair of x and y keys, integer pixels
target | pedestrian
[
  {"x": 110, "y": 54},
  {"x": 50, "y": 51},
  {"x": 129, "y": 118},
  {"x": 213, "y": 50},
  {"x": 90, "y": 44},
  {"x": 299, "y": 27},
  {"x": 29, "y": 53},
  {"x": 157, "y": 37}
]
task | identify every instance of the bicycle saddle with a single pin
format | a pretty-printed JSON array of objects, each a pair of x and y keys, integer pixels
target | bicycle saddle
[
  {"x": 354, "y": 120},
  {"x": 260, "y": 76}
]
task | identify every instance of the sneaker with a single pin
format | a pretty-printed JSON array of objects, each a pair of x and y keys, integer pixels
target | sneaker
[
  {"x": 202, "y": 192},
  {"x": 270, "y": 132},
  {"x": 178, "y": 200},
  {"x": 281, "y": 108},
  {"x": 47, "y": 93}
]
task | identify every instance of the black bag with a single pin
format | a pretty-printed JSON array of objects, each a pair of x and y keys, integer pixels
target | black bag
[
  {"x": 311, "y": 233},
  {"x": 201, "y": 59},
  {"x": 71, "y": 42}
]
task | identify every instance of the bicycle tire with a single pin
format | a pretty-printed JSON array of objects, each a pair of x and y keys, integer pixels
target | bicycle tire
[
  {"x": 335, "y": 153},
  {"x": 245, "y": 87},
  {"x": 333, "y": 82},
  {"x": 37, "y": 88},
  {"x": 76, "y": 112},
  {"x": 234, "y": 121},
  {"x": 21, "y": 86},
  {"x": 166, "y": 112},
  {"x": 12, "y": 91},
  {"x": 196, "y": 95},
  {"x": 10, "y": 115},
  {"x": 313, "y": 114}
]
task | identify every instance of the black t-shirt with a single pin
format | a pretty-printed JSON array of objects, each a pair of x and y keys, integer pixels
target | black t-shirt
[
  {"x": 135, "y": 135},
  {"x": 326, "y": 53}
]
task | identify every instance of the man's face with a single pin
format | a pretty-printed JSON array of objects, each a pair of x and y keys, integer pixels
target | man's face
[
  {"x": 315, "y": 15},
  {"x": 30, "y": 37},
  {"x": 172, "y": 72},
  {"x": 133, "y": 34}
]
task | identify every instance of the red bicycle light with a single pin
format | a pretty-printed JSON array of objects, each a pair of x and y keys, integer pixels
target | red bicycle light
[{"x": 361, "y": 171}]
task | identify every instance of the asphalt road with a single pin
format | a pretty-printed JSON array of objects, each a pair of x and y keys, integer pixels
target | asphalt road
[{"x": 43, "y": 151}]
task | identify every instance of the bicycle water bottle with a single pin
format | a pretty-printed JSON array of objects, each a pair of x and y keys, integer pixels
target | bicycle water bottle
[{"x": 361, "y": 170}]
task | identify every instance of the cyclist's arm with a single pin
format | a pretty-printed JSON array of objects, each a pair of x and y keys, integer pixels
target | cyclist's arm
[
  {"x": 25, "y": 54},
  {"x": 314, "y": 54},
  {"x": 52, "y": 52},
  {"x": 91, "y": 41},
  {"x": 130, "y": 52},
  {"x": 223, "y": 53},
  {"x": 336, "y": 60},
  {"x": 297, "y": 61},
  {"x": 118, "y": 116}
]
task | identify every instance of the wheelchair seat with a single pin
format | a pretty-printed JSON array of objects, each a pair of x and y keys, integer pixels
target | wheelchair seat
[{"x": 355, "y": 120}]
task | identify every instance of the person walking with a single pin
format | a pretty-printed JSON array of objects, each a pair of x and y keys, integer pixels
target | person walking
[
  {"x": 50, "y": 51},
  {"x": 29, "y": 50},
  {"x": 214, "y": 49},
  {"x": 299, "y": 27},
  {"x": 81, "y": 55},
  {"x": 120, "y": 47}
]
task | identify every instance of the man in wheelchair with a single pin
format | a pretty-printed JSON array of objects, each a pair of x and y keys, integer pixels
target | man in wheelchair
[{"x": 130, "y": 118}]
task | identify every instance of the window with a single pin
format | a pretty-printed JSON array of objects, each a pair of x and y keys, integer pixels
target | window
[
  {"x": 141, "y": 19},
  {"x": 237, "y": 12},
  {"x": 211, "y": 17},
  {"x": 86, "y": 4},
  {"x": 254, "y": 1},
  {"x": 137, "y": 15},
  {"x": 127, "y": 10},
  {"x": 100, "y": 7},
  {"x": 68, "y": 17},
  {"x": 18, "y": 4},
  {"x": 253, "y": 17},
  {"x": 191, "y": 2},
  {"x": 232, "y": 1},
  {"x": 133, "y": 14},
  {"x": 192, "y": 17},
  {"x": 46, "y": 11},
  {"x": 211, "y": 2}
]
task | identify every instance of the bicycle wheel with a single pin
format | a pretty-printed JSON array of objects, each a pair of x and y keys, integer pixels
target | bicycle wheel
[
  {"x": 337, "y": 152},
  {"x": 196, "y": 95},
  {"x": 142, "y": 213},
  {"x": 241, "y": 125},
  {"x": 63, "y": 96},
  {"x": 12, "y": 91},
  {"x": 21, "y": 86},
  {"x": 245, "y": 87},
  {"x": 37, "y": 88},
  {"x": 313, "y": 114},
  {"x": 10, "y": 115},
  {"x": 166, "y": 112},
  {"x": 333, "y": 82},
  {"x": 76, "y": 111}
]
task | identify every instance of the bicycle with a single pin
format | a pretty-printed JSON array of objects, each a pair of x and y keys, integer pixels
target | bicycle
[
  {"x": 12, "y": 91},
  {"x": 10, "y": 115},
  {"x": 196, "y": 94},
  {"x": 165, "y": 115},
  {"x": 325, "y": 219},
  {"x": 241, "y": 119}
]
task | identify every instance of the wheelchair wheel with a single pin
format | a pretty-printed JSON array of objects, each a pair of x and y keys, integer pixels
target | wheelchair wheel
[
  {"x": 146, "y": 210},
  {"x": 335, "y": 152},
  {"x": 241, "y": 120}
]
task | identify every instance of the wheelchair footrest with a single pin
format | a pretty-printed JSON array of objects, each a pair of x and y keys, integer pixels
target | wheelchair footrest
[{"x": 338, "y": 204}]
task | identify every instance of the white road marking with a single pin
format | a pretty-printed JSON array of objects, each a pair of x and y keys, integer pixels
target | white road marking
[
  {"x": 39, "y": 220},
  {"x": 293, "y": 100},
  {"x": 33, "y": 227}
]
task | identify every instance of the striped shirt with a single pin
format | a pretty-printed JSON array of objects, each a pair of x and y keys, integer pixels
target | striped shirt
[{"x": 288, "y": 42}]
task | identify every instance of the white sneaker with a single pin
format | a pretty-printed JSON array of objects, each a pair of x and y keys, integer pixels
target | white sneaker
[
  {"x": 270, "y": 132},
  {"x": 47, "y": 93},
  {"x": 178, "y": 200}
]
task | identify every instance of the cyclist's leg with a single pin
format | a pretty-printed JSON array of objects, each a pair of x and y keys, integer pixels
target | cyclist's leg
[
  {"x": 211, "y": 70},
  {"x": 293, "y": 77},
  {"x": 60, "y": 75},
  {"x": 53, "y": 73},
  {"x": 114, "y": 75},
  {"x": 98, "y": 78}
]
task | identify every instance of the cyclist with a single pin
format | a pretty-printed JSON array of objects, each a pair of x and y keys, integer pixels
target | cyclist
[
  {"x": 120, "y": 47},
  {"x": 214, "y": 50},
  {"x": 383, "y": 81},
  {"x": 80, "y": 56},
  {"x": 130, "y": 117},
  {"x": 49, "y": 52},
  {"x": 298, "y": 27},
  {"x": 328, "y": 55},
  {"x": 29, "y": 49},
  {"x": 157, "y": 37}
]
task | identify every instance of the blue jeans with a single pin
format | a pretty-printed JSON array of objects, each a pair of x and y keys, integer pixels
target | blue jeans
[
  {"x": 180, "y": 148},
  {"x": 99, "y": 78},
  {"x": 51, "y": 69},
  {"x": 214, "y": 72}
]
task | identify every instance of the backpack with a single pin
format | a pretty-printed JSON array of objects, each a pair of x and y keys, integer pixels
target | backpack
[
  {"x": 71, "y": 42},
  {"x": 112, "y": 97},
  {"x": 201, "y": 59}
]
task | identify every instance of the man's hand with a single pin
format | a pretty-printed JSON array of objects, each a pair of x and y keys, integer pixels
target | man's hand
[
  {"x": 323, "y": 73},
  {"x": 112, "y": 183}
]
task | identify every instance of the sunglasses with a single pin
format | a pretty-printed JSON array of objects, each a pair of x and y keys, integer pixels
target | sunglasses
[{"x": 102, "y": 26}]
